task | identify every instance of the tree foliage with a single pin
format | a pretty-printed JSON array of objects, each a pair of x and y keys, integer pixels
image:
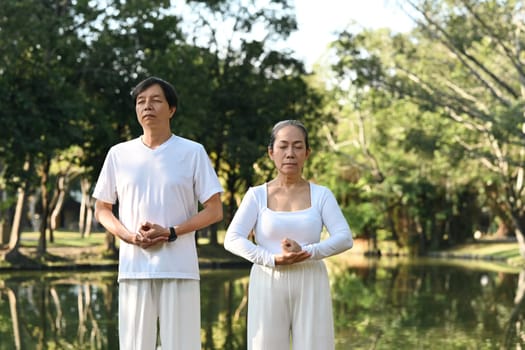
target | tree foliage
[
  {"x": 67, "y": 74},
  {"x": 444, "y": 110}
]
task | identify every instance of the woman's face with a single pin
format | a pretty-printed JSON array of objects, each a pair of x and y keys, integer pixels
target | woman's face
[{"x": 289, "y": 150}]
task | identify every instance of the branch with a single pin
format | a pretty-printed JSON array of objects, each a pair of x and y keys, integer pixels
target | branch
[
  {"x": 486, "y": 161},
  {"x": 447, "y": 100},
  {"x": 462, "y": 54},
  {"x": 469, "y": 124},
  {"x": 374, "y": 170},
  {"x": 513, "y": 57},
  {"x": 465, "y": 95}
]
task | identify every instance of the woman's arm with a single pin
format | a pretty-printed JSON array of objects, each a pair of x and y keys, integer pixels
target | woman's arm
[
  {"x": 340, "y": 238},
  {"x": 243, "y": 222}
]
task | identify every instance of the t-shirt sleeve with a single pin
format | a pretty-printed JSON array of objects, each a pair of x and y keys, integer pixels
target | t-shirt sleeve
[
  {"x": 106, "y": 186},
  {"x": 340, "y": 235},
  {"x": 206, "y": 181},
  {"x": 243, "y": 222}
]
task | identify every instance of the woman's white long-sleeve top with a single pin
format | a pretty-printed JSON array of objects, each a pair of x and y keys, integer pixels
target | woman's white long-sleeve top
[{"x": 304, "y": 226}]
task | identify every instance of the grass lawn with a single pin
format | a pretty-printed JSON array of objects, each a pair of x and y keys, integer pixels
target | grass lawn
[
  {"x": 507, "y": 252},
  {"x": 498, "y": 250},
  {"x": 64, "y": 239}
]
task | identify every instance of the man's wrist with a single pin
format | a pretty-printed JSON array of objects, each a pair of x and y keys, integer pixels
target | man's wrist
[
  {"x": 128, "y": 237},
  {"x": 173, "y": 234}
]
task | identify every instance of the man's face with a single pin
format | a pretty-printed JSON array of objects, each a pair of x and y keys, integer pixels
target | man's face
[{"x": 152, "y": 108}]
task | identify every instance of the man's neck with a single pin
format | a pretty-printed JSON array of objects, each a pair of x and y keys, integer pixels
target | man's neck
[{"x": 155, "y": 139}]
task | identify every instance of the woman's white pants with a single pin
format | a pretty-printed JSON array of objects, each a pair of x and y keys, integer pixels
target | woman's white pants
[{"x": 290, "y": 305}]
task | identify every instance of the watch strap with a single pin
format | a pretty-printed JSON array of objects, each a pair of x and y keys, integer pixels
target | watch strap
[{"x": 173, "y": 235}]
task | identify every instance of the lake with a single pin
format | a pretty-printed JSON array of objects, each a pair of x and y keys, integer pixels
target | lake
[{"x": 378, "y": 304}]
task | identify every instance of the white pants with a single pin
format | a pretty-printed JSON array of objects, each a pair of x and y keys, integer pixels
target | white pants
[
  {"x": 290, "y": 304},
  {"x": 175, "y": 303}
]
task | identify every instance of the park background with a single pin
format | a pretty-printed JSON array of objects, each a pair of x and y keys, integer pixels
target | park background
[{"x": 418, "y": 132}]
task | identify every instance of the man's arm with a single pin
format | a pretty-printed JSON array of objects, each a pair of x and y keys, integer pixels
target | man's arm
[
  {"x": 104, "y": 215},
  {"x": 211, "y": 213}
]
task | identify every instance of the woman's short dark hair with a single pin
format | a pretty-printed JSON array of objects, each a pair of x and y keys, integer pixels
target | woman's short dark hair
[
  {"x": 284, "y": 123},
  {"x": 169, "y": 90}
]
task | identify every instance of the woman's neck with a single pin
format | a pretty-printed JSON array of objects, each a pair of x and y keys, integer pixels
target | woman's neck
[{"x": 288, "y": 181}]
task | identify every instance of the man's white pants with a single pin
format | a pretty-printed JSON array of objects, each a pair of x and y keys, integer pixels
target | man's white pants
[
  {"x": 290, "y": 304},
  {"x": 174, "y": 302}
]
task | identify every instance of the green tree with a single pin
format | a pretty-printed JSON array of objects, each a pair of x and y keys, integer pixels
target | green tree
[
  {"x": 474, "y": 75},
  {"x": 231, "y": 91},
  {"x": 251, "y": 88},
  {"x": 124, "y": 44},
  {"x": 403, "y": 174},
  {"x": 443, "y": 106},
  {"x": 38, "y": 96}
]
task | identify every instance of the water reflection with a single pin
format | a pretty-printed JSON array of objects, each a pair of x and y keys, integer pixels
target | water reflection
[
  {"x": 58, "y": 311},
  {"x": 421, "y": 305},
  {"x": 378, "y": 304},
  {"x": 223, "y": 309}
]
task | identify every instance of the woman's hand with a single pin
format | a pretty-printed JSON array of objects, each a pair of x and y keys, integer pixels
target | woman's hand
[
  {"x": 292, "y": 253},
  {"x": 290, "y": 246}
]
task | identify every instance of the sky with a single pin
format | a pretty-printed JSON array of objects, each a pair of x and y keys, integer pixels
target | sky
[{"x": 317, "y": 21}]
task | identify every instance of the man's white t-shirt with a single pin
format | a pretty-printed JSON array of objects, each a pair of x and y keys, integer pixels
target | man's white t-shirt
[{"x": 163, "y": 186}]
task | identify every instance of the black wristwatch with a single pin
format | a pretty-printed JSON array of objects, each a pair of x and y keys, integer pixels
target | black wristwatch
[{"x": 173, "y": 235}]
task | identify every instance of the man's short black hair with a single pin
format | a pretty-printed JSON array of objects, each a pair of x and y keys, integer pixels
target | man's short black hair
[{"x": 169, "y": 90}]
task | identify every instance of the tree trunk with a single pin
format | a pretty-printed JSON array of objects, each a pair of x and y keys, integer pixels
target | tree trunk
[
  {"x": 89, "y": 218},
  {"x": 14, "y": 240},
  {"x": 13, "y": 252},
  {"x": 4, "y": 220},
  {"x": 502, "y": 230},
  {"x": 58, "y": 203},
  {"x": 214, "y": 240},
  {"x": 44, "y": 176},
  {"x": 86, "y": 210},
  {"x": 4, "y": 231},
  {"x": 83, "y": 205},
  {"x": 111, "y": 245}
]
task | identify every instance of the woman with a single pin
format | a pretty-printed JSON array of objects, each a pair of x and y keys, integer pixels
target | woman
[{"x": 289, "y": 292}]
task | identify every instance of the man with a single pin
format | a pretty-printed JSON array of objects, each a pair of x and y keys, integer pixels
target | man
[{"x": 158, "y": 180}]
